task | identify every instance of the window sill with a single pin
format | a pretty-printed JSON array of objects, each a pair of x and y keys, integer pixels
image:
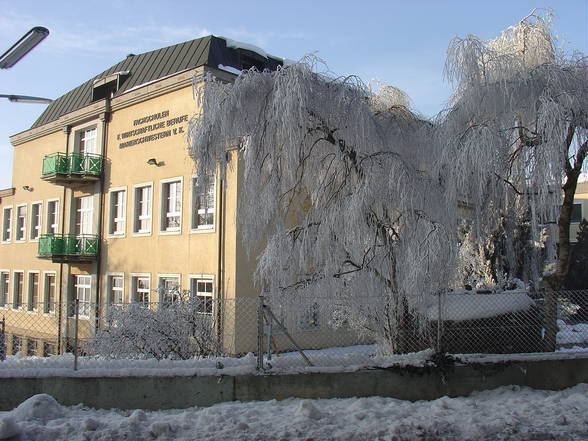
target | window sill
[
  {"x": 141, "y": 233},
  {"x": 171, "y": 232},
  {"x": 202, "y": 230}
]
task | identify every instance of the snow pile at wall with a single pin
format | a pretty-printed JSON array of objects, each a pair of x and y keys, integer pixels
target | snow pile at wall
[
  {"x": 507, "y": 413},
  {"x": 460, "y": 306}
]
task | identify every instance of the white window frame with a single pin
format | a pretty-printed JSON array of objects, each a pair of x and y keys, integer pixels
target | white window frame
[
  {"x": 38, "y": 226},
  {"x": 81, "y": 217},
  {"x": 52, "y": 228},
  {"x": 7, "y": 229},
  {"x": 135, "y": 290},
  {"x": 110, "y": 290},
  {"x": 3, "y": 284},
  {"x": 161, "y": 293},
  {"x": 114, "y": 211},
  {"x": 165, "y": 214},
  {"x": 204, "y": 228},
  {"x": 85, "y": 303},
  {"x": 194, "y": 279},
  {"x": 20, "y": 230},
  {"x": 46, "y": 303},
  {"x": 30, "y": 305},
  {"x": 14, "y": 287},
  {"x": 81, "y": 132},
  {"x": 138, "y": 214}
]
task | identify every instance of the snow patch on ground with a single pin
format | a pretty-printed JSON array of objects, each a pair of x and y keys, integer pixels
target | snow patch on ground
[{"x": 508, "y": 413}]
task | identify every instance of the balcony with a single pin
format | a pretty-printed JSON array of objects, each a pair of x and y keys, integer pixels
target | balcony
[
  {"x": 72, "y": 168},
  {"x": 68, "y": 248}
]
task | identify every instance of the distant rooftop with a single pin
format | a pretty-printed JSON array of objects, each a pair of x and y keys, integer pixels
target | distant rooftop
[{"x": 137, "y": 70}]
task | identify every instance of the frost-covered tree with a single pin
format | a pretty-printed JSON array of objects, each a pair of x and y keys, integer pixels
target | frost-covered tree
[
  {"x": 515, "y": 135},
  {"x": 337, "y": 186}
]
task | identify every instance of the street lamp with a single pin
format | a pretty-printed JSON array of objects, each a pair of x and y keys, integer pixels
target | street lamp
[
  {"x": 23, "y": 46},
  {"x": 26, "y": 99}
]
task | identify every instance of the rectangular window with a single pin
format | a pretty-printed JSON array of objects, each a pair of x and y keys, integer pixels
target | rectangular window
[
  {"x": 203, "y": 289},
  {"x": 52, "y": 217},
  {"x": 4, "y": 287},
  {"x": 33, "y": 300},
  {"x": 49, "y": 293},
  {"x": 202, "y": 206},
  {"x": 576, "y": 213},
  {"x": 16, "y": 344},
  {"x": 49, "y": 349},
  {"x": 32, "y": 346},
  {"x": 141, "y": 289},
  {"x": 36, "y": 210},
  {"x": 115, "y": 290},
  {"x": 87, "y": 141},
  {"x": 171, "y": 210},
  {"x": 117, "y": 212},
  {"x": 84, "y": 215},
  {"x": 169, "y": 289},
  {"x": 83, "y": 286},
  {"x": 18, "y": 289},
  {"x": 21, "y": 222},
  {"x": 6, "y": 224},
  {"x": 142, "y": 218}
]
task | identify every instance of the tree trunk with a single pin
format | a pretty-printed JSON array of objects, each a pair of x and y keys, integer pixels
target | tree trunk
[{"x": 556, "y": 281}]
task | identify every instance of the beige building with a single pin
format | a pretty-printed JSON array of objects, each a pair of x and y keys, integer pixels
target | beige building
[
  {"x": 580, "y": 210},
  {"x": 104, "y": 205}
]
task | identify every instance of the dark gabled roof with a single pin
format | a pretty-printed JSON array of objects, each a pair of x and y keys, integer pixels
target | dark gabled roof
[{"x": 144, "y": 68}]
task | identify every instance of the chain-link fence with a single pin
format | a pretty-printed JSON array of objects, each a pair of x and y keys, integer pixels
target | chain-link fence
[{"x": 295, "y": 334}]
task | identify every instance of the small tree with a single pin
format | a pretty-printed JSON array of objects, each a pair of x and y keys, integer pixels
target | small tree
[{"x": 170, "y": 330}]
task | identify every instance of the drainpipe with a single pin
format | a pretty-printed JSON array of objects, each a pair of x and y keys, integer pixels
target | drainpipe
[
  {"x": 67, "y": 131},
  {"x": 104, "y": 118},
  {"x": 220, "y": 262}
]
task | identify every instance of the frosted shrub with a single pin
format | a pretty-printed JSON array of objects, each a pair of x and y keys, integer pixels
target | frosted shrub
[{"x": 163, "y": 331}]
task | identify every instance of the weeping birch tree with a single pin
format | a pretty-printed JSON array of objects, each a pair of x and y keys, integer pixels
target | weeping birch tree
[
  {"x": 515, "y": 138},
  {"x": 337, "y": 186}
]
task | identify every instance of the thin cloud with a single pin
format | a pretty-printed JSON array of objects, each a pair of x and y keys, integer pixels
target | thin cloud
[{"x": 67, "y": 37}]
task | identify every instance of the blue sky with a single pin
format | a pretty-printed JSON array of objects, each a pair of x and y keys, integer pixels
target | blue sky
[{"x": 399, "y": 42}]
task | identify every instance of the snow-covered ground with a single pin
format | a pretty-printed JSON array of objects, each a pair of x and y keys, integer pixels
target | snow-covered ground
[
  {"x": 336, "y": 359},
  {"x": 507, "y": 413}
]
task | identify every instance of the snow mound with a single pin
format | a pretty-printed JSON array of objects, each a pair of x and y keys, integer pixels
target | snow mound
[
  {"x": 38, "y": 407},
  {"x": 8, "y": 428},
  {"x": 459, "y": 307}
]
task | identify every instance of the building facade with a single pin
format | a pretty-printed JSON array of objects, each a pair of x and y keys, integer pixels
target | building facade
[{"x": 105, "y": 207}]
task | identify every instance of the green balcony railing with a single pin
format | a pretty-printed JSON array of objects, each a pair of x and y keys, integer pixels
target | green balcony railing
[
  {"x": 73, "y": 164},
  {"x": 68, "y": 245}
]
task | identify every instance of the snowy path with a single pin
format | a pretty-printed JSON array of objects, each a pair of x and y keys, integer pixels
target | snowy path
[{"x": 507, "y": 413}]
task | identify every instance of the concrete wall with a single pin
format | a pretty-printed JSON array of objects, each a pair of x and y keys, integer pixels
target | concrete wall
[{"x": 407, "y": 383}]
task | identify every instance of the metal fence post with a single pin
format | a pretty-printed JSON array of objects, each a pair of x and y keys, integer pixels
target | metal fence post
[
  {"x": 260, "y": 333},
  {"x": 550, "y": 321},
  {"x": 76, "y": 327},
  {"x": 439, "y": 325},
  {"x": 269, "y": 337},
  {"x": 3, "y": 339}
]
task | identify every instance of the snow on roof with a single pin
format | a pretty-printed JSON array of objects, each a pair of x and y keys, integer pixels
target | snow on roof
[
  {"x": 234, "y": 44},
  {"x": 229, "y": 69},
  {"x": 460, "y": 306}
]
